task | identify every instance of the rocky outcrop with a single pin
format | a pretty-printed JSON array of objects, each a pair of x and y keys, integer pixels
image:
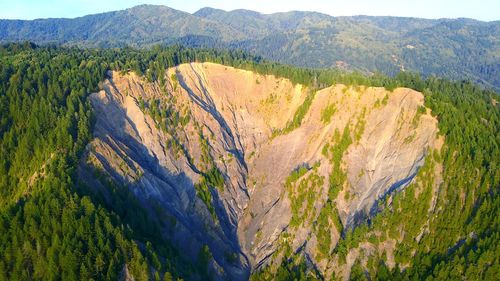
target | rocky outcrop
[
  {"x": 391, "y": 150},
  {"x": 163, "y": 142}
]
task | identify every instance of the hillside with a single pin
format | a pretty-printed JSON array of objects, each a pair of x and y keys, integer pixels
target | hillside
[
  {"x": 226, "y": 122},
  {"x": 455, "y": 48},
  {"x": 199, "y": 164}
]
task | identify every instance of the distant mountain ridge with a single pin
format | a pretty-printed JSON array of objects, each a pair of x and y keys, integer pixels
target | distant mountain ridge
[{"x": 455, "y": 48}]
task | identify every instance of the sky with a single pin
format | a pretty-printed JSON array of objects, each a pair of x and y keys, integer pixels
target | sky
[{"x": 486, "y": 10}]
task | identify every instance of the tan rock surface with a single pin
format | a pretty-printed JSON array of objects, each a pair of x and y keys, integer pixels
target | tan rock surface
[{"x": 237, "y": 111}]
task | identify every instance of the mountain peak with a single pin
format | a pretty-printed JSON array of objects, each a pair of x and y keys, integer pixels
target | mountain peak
[
  {"x": 154, "y": 9},
  {"x": 207, "y": 11}
]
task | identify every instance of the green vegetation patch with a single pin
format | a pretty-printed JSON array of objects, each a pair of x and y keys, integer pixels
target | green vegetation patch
[
  {"x": 299, "y": 115},
  {"x": 327, "y": 113},
  {"x": 302, "y": 193},
  {"x": 334, "y": 152}
]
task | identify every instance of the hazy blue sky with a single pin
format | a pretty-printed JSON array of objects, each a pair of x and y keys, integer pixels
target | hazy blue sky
[{"x": 478, "y": 9}]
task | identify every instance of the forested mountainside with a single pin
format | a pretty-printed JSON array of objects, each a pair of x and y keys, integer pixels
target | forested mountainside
[
  {"x": 454, "y": 48},
  {"x": 196, "y": 164}
]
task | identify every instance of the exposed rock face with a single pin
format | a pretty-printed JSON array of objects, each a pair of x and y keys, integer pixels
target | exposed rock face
[
  {"x": 227, "y": 121},
  {"x": 390, "y": 151}
]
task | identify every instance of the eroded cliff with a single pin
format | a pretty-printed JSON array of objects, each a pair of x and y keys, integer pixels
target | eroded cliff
[{"x": 246, "y": 163}]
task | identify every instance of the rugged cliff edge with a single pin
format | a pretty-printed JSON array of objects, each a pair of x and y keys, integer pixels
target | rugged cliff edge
[{"x": 244, "y": 163}]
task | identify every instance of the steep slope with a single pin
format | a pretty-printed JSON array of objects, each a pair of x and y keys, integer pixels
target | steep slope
[
  {"x": 111, "y": 221},
  {"x": 241, "y": 162}
]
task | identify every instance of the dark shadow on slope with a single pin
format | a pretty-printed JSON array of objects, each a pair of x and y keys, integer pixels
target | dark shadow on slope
[
  {"x": 168, "y": 199},
  {"x": 209, "y": 107},
  {"x": 361, "y": 216}
]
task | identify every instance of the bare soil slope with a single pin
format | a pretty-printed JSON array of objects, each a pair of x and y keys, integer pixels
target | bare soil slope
[{"x": 167, "y": 142}]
